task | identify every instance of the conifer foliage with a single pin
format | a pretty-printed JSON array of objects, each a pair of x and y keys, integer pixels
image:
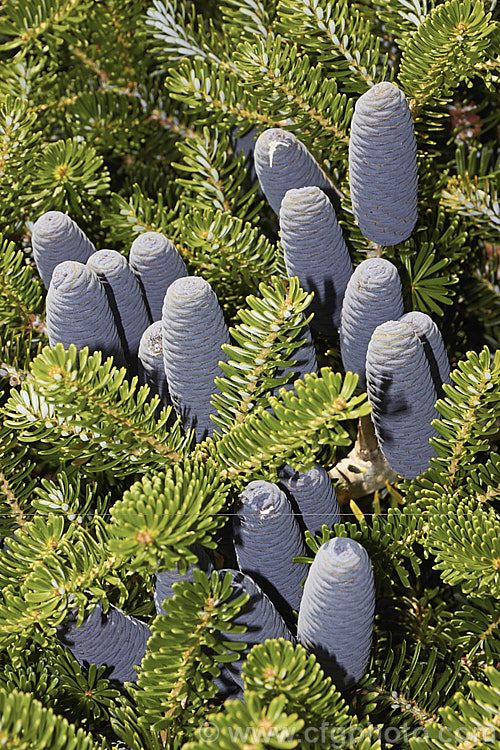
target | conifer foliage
[{"x": 249, "y": 249}]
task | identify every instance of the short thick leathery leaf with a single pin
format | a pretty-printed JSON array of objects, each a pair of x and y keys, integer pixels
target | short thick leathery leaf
[
  {"x": 402, "y": 394},
  {"x": 193, "y": 333},
  {"x": 266, "y": 538},
  {"x": 56, "y": 238},
  {"x": 151, "y": 369},
  {"x": 430, "y": 336},
  {"x": 372, "y": 297},
  {"x": 383, "y": 165},
  {"x": 157, "y": 264},
  {"x": 114, "y": 639},
  {"x": 124, "y": 295},
  {"x": 260, "y": 617},
  {"x": 315, "y": 251},
  {"x": 165, "y": 580},
  {"x": 336, "y": 612},
  {"x": 304, "y": 361},
  {"x": 282, "y": 162},
  {"x": 314, "y": 494},
  {"x": 78, "y": 311}
]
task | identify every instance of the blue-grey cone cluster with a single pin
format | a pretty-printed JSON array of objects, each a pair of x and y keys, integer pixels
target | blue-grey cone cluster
[
  {"x": 282, "y": 162},
  {"x": 336, "y": 613},
  {"x": 57, "y": 238},
  {"x": 78, "y": 311},
  {"x": 124, "y": 295},
  {"x": 157, "y": 264},
  {"x": 402, "y": 394},
  {"x": 165, "y": 580},
  {"x": 193, "y": 333},
  {"x": 315, "y": 251},
  {"x": 151, "y": 369},
  {"x": 383, "y": 165},
  {"x": 372, "y": 297},
  {"x": 266, "y": 538},
  {"x": 432, "y": 341},
  {"x": 314, "y": 494},
  {"x": 260, "y": 617},
  {"x": 114, "y": 639}
]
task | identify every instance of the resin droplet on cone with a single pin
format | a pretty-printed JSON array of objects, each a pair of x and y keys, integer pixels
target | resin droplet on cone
[
  {"x": 266, "y": 539},
  {"x": 151, "y": 368},
  {"x": 283, "y": 162}
]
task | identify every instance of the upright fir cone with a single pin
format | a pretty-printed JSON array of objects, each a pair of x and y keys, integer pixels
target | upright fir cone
[
  {"x": 259, "y": 615},
  {"x": 435, "y": 351},
  {"x": 315, "y": 251},
  {"x": 267, "y": 537},
  {"x": 282, "y": 162},
  {"x": 402, "y": 394},
  {"x": 165, "y": 580},
  {"x": 56, "y": 238},
  {"x": 383, "y": 165},
  {"x": 124, "y": 296},
  {"x": 114, "y": 639},
  {"x": 314, "y": 494},
  {"x": 373, "y": 295},
  {"x": 193, "y": 333},
  {"x": 157, "y": 264},
  {"x": 337, "y": 608},
  {"x": 151, "y": 369},
  {"x": 227, "y": 687},
  {"x": 78, "y": 311}
]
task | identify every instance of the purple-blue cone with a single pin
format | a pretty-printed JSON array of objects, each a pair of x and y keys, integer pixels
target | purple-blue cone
[
  {"x": 282, "y": 162},
  {"x": 260, "y": 617},
  {"x": 402, "y": 394},
  {"x": 151, "y": 369},
  {"x": 78, "y": 311},
  {"x": 157, "y": 264},
  {"x": 114, "y": 639},
  {"x": 337, "y": 608},
  {"x": 193, "y": 333},
  {"x": 383, "y": 165},
  {"x": 314, "y": 494},
  {"x": 124, "y": 294},
  {"x": 315, "y": 251},
  {"x": 56, "y": 238},
  {"x": 435, "y": 351},
  {"x": 267, "y": 537},
  {"x": 165, "y": 580},
  {"x": 372, "y": 297}
]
